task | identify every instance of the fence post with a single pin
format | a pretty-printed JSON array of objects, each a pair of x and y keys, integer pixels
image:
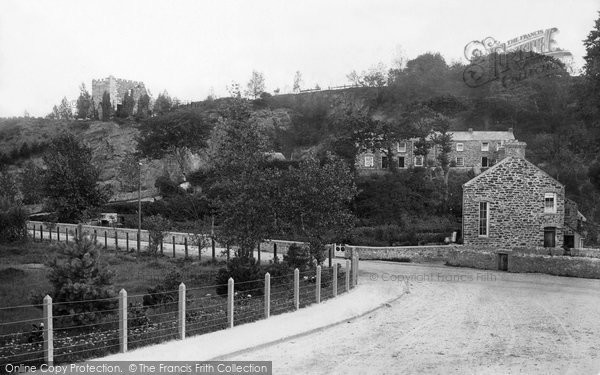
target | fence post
[
  {"x": 212, "y": 240},
  {"x": 67, "y": 235},
  {"x": 76, "y": 237},
  {"x": 297, "y": 288},
  {"x": 48, "y": 331},
  {"x": 33, "y": 232},
  {"x": 57, "y": 233},
  {"x": 331, "y": 254},
  {"x": 123, "y": 320},
  {"x": 161, "y": 246},
  {"x": 199, "y": 247},
  {"x": 318, "y": 285},
  {"x": 181, "y": 311},
  {"x": 173, "y": 247},
  {"x": 258, "y": 250},
  {"x": 274, "y": 251},
  {"x": 138, "y": 243},
  {"x": 267, "y": 295},
  {"x": 355, "y": 270},
  {"x": 50, "y": 234},
  {"x": 127, "y": 241},
  {"x": 335, "y": 280},
  {"x": 95, "y": 237},
  {"x": 185, "y": 246},
  {"x": 230, "y": 302},
  {"x": 227, "y": 253},
  {"x": 116, "y": 241},
  {"x": 105, "y": 240},
  {"x": 347, "y": 275},
  {"x": 41, "y": 232}
]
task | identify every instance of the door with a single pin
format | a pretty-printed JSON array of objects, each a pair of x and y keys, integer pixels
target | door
[
  {"x": 503, "y": 262},
  {"x": 401, "y": 162},
  {"x": 569, "y": 241},
  {"x": 549, "y": 237}
]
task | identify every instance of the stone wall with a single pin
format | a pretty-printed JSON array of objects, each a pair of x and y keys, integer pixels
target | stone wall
[
  {"x": 417, "y": 254},
  {"x": 462, "y": 257},
  {"x": 558, "y": 265},
  {"x": 117, "y": 88},
  {"x": 514, "y": 190}
]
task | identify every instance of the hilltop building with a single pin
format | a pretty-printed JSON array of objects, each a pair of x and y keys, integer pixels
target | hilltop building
[
  {"x": 516, "y": 204},
  {"x": 471, "y": 149},
  {"x": 117, "y": 88}
]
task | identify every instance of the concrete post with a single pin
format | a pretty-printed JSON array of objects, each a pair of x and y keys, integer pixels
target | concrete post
[
  {"x": 181, "y": 311},
  {"x": 318, "y": 286},
  {"x": 297, "y": 289},
  {"x": 230, "y": 302},
  {"x": 48, "y": 331},
  {"x": 347, "y": 275},
  {"x": 267, "y": 295},
  {"x": 123, "y": 320},
  {"x": 335, "y": 280}
]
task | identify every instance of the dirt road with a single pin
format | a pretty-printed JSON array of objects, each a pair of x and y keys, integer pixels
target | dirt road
[{"x": 457, "y": 321}]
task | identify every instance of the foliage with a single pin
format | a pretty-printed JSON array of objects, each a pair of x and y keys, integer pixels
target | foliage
[
  {"x": 297, "y": 82},
  {"x": 175, "y": 133},
  {"x": 143, "y": 109},
  {"x": 71, "y": 180},
  {"x": 592, "y": 64},
  {"x": 82, "y": 286},
  {"x": 126, "y": 108},
  {"x": 246, "y": 274},
  {"x": 165, "y": 292},
  {"x": 157, "y": 227},
  {"x": 106, "y": 106},
  {"x": 64, "y": 110},
  {"x": 13, "y": 224},
  {"x": 163, "y": 103},
  {"x": 31, "y": 183},
  {"x": 84, "y": 102},
  {"x": 129, "y": 172},
  {"x": 298, "y": 257},
  {"x": 9, "y": 190},
  {"x": 256, "y": 85}
]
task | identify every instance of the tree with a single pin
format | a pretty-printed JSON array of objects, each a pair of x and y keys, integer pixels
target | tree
[
  {"x": 31, "y": 181},
  {"x": 163, "y": 103},
  {"x": 126, "y": 108},
  {"x": 82, "y": 284},
  {"x": 143, "y": 109},
  {"x": 256, "y": 85},
  {"x": 9, "y": 190},
  {"x": 174, "y": 134},
  {"x": 84, "y": 102},
  {"x": 592, "y": 63},
  {"x": 442, "y": 139},
  {"x": 106, "y": 107},
  {"x": 128, "y": 173},
  {"x": 70, "y": 182},
  {"x": 157, "y": 227},
  {"x": 297, "y": 82},
  {"x": 64, "y": 110}
]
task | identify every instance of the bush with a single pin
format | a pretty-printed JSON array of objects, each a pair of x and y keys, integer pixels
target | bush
[
  {"x": 246, "y": 274},
  {"x": 298, "y": 257},
  {"x": 13, "y": 225},
  {"x": 165, "y": 292},
  {"x": 82, "y": 286},
  {"x": 157, "y": 227}
]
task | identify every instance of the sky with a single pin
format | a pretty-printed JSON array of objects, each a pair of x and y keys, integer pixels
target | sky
[{"x": 192, "y": 48}]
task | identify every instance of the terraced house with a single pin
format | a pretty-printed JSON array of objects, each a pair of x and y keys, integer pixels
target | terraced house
[
  {"x": 516, "y": 204},
  {"x": 471, "y": 149}
]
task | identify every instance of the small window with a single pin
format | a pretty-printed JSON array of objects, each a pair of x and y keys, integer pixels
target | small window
[
  {"x": 385, "y": 162},
  {"x": 402, "y": 147},
  {"x": 401, "y": 162},
  {"x": 485, "y": 146},
  {"x": 484, "y": 162},
  {"x": 550, "y": 203},
  {"x": 460, "y": 161},
  {"x": 484, "y": 216},
  {"x": 419, "y": 161},
  {"x": 369, "y": 161},
  {"x": 460, "y": 147}
]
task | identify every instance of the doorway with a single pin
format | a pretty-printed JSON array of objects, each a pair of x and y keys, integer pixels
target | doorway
[
  {"x": 502, "y": 262},
  {"x": 549, "y": 237}
]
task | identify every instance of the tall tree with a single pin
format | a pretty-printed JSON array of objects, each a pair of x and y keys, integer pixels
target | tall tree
[
  {"x": 106, "y": 107},
  {"x": 143, "y": 108},
  {"x": 174, "y": 134},
  {"x": 84, "y": 102},
  {"x": 592, "y": 62},
  {"x": 256, "y": 85},
  {"x": 163, "y": 103},
  {"x": 297, "y": 82},
  {"x": 126, "y": 108},
  {"x": 31, "y": 183},
  {"x": 64, "y": 110},
  {"x": 71, "y": 180}
]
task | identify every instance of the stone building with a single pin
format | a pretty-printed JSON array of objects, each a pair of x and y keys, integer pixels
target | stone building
[
  {"x": 516, "y": 204},
  {"x": 471, "y": 149},
  {"x": 117, "y": 88}
]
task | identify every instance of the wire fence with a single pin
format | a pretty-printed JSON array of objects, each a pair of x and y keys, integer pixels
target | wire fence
[{"x": 67, "y": 332}]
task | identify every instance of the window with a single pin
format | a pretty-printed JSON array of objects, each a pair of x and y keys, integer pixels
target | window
[
  {"x": 484, "y": 162},
  {"x": 484, "y": 216},
  {"x": 485, "y": 146},
  {"x": 369, "y": 161},
  {"x": 550, "y": 203},
  {"x": 402, "y": 147},
  {"x": 401, "y": 162},
  {"x": 460, "y": 147},
  {"x": 460, "y": 161},
  {"x": 384, "y": 162},
  {"x": 419, "y": 161}
]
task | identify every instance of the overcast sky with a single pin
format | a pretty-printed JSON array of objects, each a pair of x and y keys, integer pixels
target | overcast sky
[{"x": 48, "y": 48}]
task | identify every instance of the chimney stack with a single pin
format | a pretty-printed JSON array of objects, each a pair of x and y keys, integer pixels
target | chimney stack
[{"x": 515, "y": 149}]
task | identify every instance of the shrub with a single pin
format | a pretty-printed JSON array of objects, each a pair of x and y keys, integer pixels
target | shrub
[
  {"x": 298, "y": 257},
  {"x": 165, "y": 292},
  {"x": 246, "y": 274},
  {"x": 82, "y": 285},
  {"x": 13, "y": 225}
]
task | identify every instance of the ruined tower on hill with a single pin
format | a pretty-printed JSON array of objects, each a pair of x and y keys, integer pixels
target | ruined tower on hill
[{"x": 117, "y": 88}]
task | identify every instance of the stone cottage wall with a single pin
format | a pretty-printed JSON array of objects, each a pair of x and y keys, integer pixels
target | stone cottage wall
[{"x": 514, "y": 190}]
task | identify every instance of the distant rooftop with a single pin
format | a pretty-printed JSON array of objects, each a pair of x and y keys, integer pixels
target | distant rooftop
[{"x": 485, "y": 135}]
